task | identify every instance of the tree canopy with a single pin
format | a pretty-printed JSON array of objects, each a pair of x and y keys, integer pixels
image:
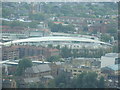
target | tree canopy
[
  {"x": 53, "y": 58},
  {"x": 22, "y": 65},
  {"x": 83, "y": 80},
  {"x": 61, "y": 28},
  {"x": 65, "y": 52},
  {"x": 37, "y": 16}
]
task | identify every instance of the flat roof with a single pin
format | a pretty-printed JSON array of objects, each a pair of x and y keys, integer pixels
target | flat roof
[
  {"x": 111, "y": 55},
  {"x": 114, "y": 67}
]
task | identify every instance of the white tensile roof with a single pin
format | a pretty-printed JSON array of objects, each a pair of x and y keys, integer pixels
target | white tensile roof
[{"x": 55, "y": 38}]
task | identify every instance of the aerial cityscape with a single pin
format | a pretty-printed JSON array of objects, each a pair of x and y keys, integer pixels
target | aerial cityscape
[{"x": 60, "y": 45}]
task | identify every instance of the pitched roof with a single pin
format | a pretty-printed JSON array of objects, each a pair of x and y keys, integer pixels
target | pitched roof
[
  {"x": 43, "y": 67},
  {"x": 38, "y": 68},
  {"x": 48, "y": 77},
  {"x": 30, "y": 80}
]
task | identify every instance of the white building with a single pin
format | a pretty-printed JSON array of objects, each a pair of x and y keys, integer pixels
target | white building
[{"x": 108, "y": 59}]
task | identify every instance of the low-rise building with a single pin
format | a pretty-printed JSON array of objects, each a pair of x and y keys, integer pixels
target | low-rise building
[
  {"x": 109, "y": 59},
  {"x": 8, "y": 83},
  {"x": 89, "y": 62},
  {"x": 55, "y": 68},
  {"x": 38, "y": 71},
  {"x": 75, "y": 71},
  {"x": 111, "y": 70},
  {"x": 111, "y": 74},
  {"x": 79, "y": 65}
]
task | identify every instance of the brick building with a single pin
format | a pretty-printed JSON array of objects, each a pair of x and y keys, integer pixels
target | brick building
[
  {"x": 9, "y": 53},
  {"x": 15, "y": 52},
  {"x": 50, "y": 52}
]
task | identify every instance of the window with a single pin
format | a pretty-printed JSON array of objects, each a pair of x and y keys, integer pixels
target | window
[
  {"x": 79, "y": 71},
  {"x": 75, "y": 70},
  {"x": 75, "y": 74}
]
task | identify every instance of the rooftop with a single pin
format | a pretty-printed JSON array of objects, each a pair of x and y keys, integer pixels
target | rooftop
[
  {"x": 114, "y": 67},
  {"x": 38, "y": 68},
  {"x": 111, "y": 55},
  {"x": 30, "y": 80},
  {"x": 56, "y": 38}
]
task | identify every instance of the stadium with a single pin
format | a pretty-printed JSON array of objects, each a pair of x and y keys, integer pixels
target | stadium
[{"x": 71, "y": 42}]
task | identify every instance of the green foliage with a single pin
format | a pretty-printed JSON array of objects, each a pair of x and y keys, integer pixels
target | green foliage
[
  {"x": 85, "y": 28},
  {"x": 84, "y": 80},
  {"x": 58, "y": 47},
  {"x": 33, "y": 24},
  {"x": 68, "y": 9},
  {"x": 22, "y": 65},
  {"x": 50, "y": 46},
  {"x": 105, "y": 38},
  {"x": 16, "y": 23},
  {"x": 65, "y": 52},
  {"x": 61, "y": 28},
  {"x": 6, "y": 12},
  {"x": 101, "y": 83},
  {"x": 33, "y": 85},
  {"x": 115, "y": 49},
  {"x": 12, "y": 24},
  {"x": 112, "y": 30},
  {"x": 84, "y": 52},
  {"x": 41, "y": 85},
  {"x": 6, "y": 23},
  {"x": 38, "y": 17},
  {"x": 88, "y": 80},
  {"x": 36, "y": 85},
  {"x": 62, "y": 80},
  {"x": 53, "y": 58},
  {"x": 51, "y": 84}
]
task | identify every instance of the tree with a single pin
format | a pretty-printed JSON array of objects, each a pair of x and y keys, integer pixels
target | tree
[
  {"x": 33, "y": 85},
  {"x": 58, "y": 47},
  {"x": 61, "y": 28},
  {"x": 6, "y": 12},
  {"x": 50, "y": 46},
  {"x": 105, "y": 37},
  {"x": 51, "y": 84},
  {"x": 85, "y": 28},
  {"x": 65, "y": 52},
  {"x": 53, "y": 58},
  {"x": 22, "y": 65},
  {"x": 112, "y": 30},
  {"x": 62, "y": 80},
  {"x": 16, "y": 23},
  {"x": 41, "y": 85},
  {"x": 86, "y": 80},
  {"x": 38, "y": 17},
  {"x": 115, "y": 49},
  {"x": 33, "y": 24},
  {"x": 101, "y": 83}
]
